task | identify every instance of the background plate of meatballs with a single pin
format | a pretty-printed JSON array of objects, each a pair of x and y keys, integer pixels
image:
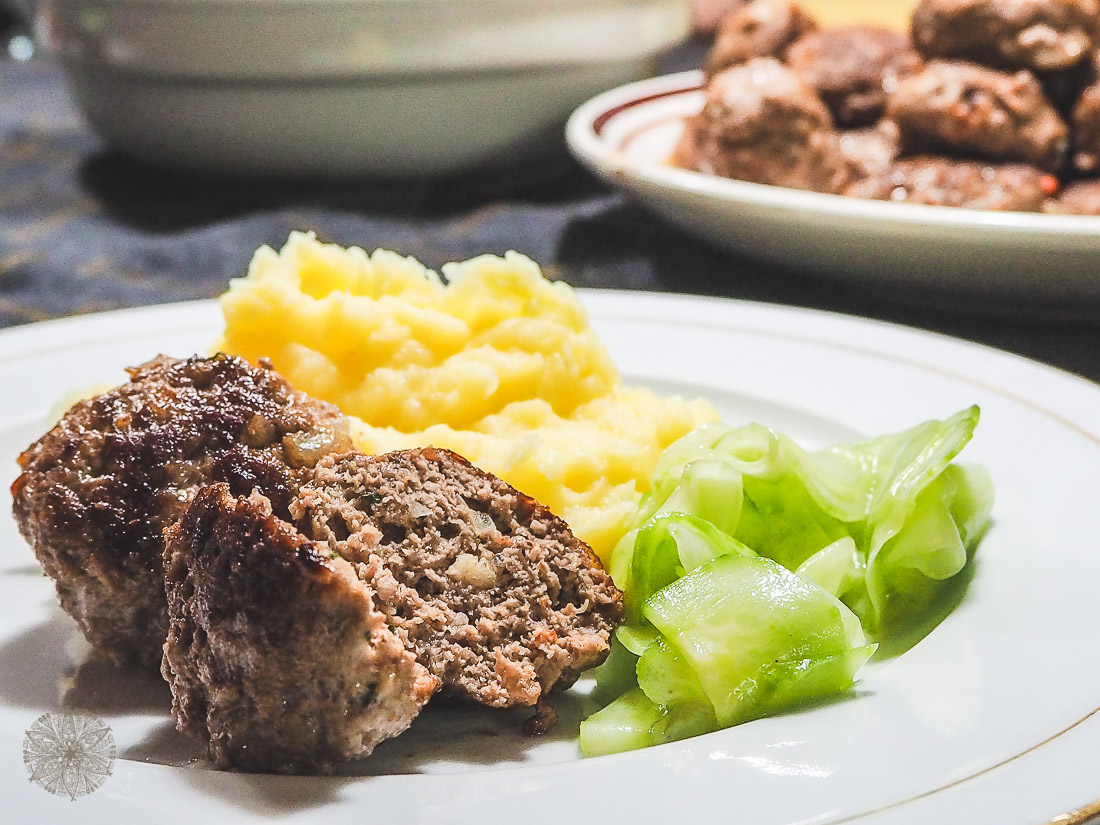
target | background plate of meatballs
[{"x": 961, "y": 157}]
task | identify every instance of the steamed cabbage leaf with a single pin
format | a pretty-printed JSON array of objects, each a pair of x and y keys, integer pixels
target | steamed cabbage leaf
[{"x": 756, "y": 571}]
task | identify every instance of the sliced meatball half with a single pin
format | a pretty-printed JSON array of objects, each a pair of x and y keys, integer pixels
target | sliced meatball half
[
  {"x": 276, "y": 655},
  {"x": 493, "y": 592}
]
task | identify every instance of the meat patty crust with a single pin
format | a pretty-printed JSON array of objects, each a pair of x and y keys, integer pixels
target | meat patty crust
[
  {"x": 277, "y": 657},
  {"x": 762, "y": 123},
  {"x": 1040, "y": 35},
  {"x": 853, "y": 68},
  {"x": 964, "y": 108},
  {"x": 951, "y": 182},
  {"x": 493, "y": 592},
  {"x": 1082, "y": 197},
  {"x": 871, "y": 150},
  {"x": 759, "y": 28},
  {"x": 97, "y": 491}
]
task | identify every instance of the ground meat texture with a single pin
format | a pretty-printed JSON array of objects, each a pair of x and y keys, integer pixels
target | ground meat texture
[
  {"x": 853, "y": 68},
  {"x": 951, "y": 182},
  {"x": 492, "y": 592},
  {"x": 872, "y": 150},
  {"x": 761, "y": 28},
  {"x": 97, "y": 491},
  {"x": 1081, "y": 197},
  {"x": 966, "y": 109},
  {"x": 1041, "y": 35},
  {"x": 277, "y": 658},
  {"x": 761, "y": 122}
]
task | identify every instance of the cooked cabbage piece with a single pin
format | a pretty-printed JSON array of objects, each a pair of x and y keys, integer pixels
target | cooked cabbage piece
[{"x": 756, "y": 572}]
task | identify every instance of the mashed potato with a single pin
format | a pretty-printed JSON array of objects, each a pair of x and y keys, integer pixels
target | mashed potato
[{"x": 498, "y": 364}]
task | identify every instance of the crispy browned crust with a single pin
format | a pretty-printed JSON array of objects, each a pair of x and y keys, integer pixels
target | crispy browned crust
[
  {"x": 761, "y": 28},
  {"x": 97, "y": 491},
  {"x": 493, "y": 592},
  {"x": 966, "y": 109},
  {"x": 277, "y": 657},
  {"x": 1041, "y": 35}
]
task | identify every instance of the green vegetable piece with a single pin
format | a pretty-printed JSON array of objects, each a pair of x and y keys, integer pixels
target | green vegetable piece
[
  {"x": 623, "y": 725},
  {"x": 754, "y": 633},
  {"x": 669, "y": 545},
  {"x": 669, "y": 681},
  {"x": 838, "y": 567},
  {"x": 719, "y": 630}
]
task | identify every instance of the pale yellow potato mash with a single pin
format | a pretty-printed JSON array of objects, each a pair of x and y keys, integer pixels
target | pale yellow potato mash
[{"x": 498, "y": 364}]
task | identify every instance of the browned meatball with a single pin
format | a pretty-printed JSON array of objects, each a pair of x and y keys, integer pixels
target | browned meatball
[
  {"x": 871, "y": 150},
  {"x": 971, "y": 110},
  {"x": 491, "y": 591},
  {"x": 98, "y": 490},
  {"x": 761, "y": 28},
  {"x": 762, "y": 123},
  {"x": 950, "y": 182},
  {"x": 1015, "y": 34},
  {"x": 853, "y": 68},
  {"x": 1079, "y": 198},
  {"x": 1085, "y": 119},
  {"x": 277, "y": 656}
]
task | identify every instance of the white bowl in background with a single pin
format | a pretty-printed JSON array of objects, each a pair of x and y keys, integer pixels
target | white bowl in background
[{"x": 347, "y": 87}]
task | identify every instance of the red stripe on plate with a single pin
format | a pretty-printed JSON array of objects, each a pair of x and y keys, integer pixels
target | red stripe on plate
[{"x": 601, "y": 120}]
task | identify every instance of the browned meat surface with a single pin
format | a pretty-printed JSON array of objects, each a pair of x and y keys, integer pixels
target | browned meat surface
[
  {"x": 871, "y": 150},
  {"x": 1013, "y": 34},
  {"x": 97, "y": 491},
  {"x": 762, "y": 123},
  {"x": 277, "y": 657},
  {"x": 1085, "y": 119},
  {"x": 949, "y": 182},
  {"x": 492, "y": 591},
  {"x": 853, "y": 68},
  {"x": 1079, "y": 198},
  {"x": 962, "y": 108},
  {"x": 761, "y": 28}
]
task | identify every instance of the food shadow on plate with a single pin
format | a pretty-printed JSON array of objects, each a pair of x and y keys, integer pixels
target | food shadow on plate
[
  {"x": 34, "y": 663},
  {"x": 58, "y": 670},
  {"x": 267, "y": 795},
  {"x": 454, "y": 737},
  {"x": 447, "y": 738},
  {"x": 901, "y": 639}
]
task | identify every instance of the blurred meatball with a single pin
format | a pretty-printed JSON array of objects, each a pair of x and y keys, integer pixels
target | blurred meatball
[
  {"x": 761, "y": 28},
  {"x": 762, "y": 123},
  {"x": 968, "y": 109},
  {"x": 871, "y": 150},
  {"x": 1016, "y": 34},
  {"x": 1085, "y": 119},
  {"x": 853, "y": 68},
  {"x": 952, "y": 182},
  {"x": 1079, "y": 198}
]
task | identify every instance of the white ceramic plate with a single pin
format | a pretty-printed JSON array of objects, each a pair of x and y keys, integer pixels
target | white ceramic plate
[
  {"x": 627, "y": 134},
  {"x": 992, "y": 717}
]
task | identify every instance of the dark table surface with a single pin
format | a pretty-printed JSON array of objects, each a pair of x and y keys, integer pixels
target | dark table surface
[{"x": 83, "y": 229}]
